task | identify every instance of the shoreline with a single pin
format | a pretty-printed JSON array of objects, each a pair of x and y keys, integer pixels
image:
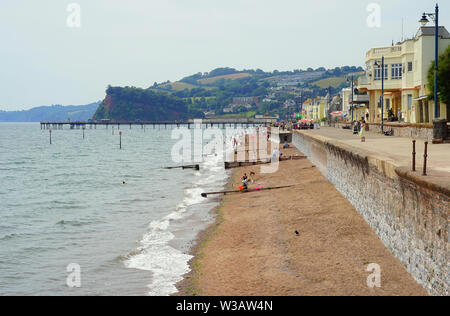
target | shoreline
[{"x": 189, "y": 285}]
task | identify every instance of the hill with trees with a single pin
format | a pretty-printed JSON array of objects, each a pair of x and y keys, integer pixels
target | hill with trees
[
  {"x": 131, "y": 104},
  {"x": 443, "y": 78},
  {"x": 51, "y": 113},
  {"x": 215, "y": 92}
]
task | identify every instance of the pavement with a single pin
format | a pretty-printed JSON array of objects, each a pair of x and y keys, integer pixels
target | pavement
[{"x": 397, "y": 149}]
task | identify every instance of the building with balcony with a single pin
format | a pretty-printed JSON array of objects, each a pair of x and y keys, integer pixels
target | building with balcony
[
  {"x": 355, "y": 106},
  {"x": 405, "y": 78}
]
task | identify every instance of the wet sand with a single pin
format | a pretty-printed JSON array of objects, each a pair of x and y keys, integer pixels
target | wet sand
[{"x": 253, "y": 248}]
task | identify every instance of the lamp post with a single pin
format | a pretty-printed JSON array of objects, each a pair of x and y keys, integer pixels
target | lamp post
[
  {"x": 382, "y": 92},
  {"x": 424, "y": 21},
  {"x": 353, "y": 96}
]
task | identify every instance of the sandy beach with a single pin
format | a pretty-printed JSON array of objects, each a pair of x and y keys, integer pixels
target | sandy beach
[{"x": 253, "y": 248}]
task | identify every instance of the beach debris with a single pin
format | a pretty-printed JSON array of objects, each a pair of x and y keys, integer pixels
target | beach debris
[{"x": 297, "y": 233}]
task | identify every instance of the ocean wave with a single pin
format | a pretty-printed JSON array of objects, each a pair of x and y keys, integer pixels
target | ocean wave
[
  {"x": 155, "y": 255},
  {"x": 167, "y": 264}
]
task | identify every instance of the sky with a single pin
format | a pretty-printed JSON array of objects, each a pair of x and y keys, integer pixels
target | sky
[{"x": 53, "y": 52}]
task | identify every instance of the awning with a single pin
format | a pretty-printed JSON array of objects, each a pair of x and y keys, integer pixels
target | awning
[{"x": 421, "y": 98}]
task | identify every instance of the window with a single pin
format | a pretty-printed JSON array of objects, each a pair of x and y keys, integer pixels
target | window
[
  {"x": 397, "y": 71},
  {"x": 410, "y": 66},
  {"x": 377, "y": 72}
]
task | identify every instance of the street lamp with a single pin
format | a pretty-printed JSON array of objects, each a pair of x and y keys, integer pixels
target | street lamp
[
  {"x": 353, "y": 82},
  {"x": 377, "y": 64},
  {"x": 424, "y": 21}
]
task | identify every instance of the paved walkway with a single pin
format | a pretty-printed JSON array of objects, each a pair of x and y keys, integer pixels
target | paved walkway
[{"x": 398, "y": 149}]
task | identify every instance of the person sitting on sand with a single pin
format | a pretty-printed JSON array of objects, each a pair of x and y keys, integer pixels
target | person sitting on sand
[{"x": 245, "y": 182}]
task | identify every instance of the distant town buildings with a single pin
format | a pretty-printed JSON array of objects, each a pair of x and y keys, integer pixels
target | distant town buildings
[
  {"x": 239, "y": 101},
  {"x": 315, "y": 109},
  {"x": 296, "y": 79}
]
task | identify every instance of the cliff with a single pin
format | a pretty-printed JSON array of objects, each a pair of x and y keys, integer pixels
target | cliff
[{"x": 131, "y": 104}]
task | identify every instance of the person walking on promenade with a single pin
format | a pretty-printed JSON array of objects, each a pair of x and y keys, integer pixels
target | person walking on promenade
[{"x": 362, "y": 132}]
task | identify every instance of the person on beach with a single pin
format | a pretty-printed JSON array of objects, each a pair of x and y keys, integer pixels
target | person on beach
[
  {"x": 356, "y": 127},
  {"x": 245, "y": 182}
]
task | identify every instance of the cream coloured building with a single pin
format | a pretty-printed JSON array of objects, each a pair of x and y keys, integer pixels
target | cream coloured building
[
  {"x": 315, "y": 109},
  {"x": 405, "y": 84}
]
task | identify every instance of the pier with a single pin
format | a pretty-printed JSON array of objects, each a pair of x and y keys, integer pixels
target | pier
[{"x": 207, "y": 123}]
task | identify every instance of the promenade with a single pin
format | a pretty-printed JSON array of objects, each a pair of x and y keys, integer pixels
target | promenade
[{"x": 397, "y": 150}]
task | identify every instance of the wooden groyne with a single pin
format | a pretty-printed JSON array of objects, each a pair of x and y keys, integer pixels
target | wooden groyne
[
  {"x": 237, "y": 164},
  {"x": 205, "y": 195},
  {"x": 196, "y": 167}
]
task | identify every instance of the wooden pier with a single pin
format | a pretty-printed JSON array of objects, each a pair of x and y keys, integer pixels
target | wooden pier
[{"x": 205, "y": 123}]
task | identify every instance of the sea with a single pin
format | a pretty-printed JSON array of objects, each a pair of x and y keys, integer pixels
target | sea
[{"x": 80, "y": 216}]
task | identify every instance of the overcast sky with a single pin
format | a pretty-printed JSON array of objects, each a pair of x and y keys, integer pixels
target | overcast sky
[{"x": 138, "y": 42}]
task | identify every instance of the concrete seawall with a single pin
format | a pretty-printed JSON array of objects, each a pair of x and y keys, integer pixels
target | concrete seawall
[{"x": 408, "y": 213}]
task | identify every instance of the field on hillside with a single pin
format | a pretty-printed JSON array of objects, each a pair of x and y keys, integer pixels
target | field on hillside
[
  {"x": 177, "y": 86},
  {"x": 236, "y": 115},
  {"x": 330, "y": 82},
  {"x": 335, "y": 81},
  {"x": 232, "y": 76}
]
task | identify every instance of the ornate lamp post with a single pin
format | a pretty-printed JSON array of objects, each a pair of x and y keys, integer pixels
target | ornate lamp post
[
  {"x": 424, "y": 21},
  {"x": 382, "y": 91},
  {"x": 353, "y": 97}
]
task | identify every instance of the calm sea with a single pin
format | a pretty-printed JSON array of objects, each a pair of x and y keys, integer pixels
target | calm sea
[{"x": 65, "y": 204}]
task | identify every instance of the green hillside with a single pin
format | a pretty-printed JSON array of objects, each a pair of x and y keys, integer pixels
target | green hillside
[{"x": 131, "y": 104}]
